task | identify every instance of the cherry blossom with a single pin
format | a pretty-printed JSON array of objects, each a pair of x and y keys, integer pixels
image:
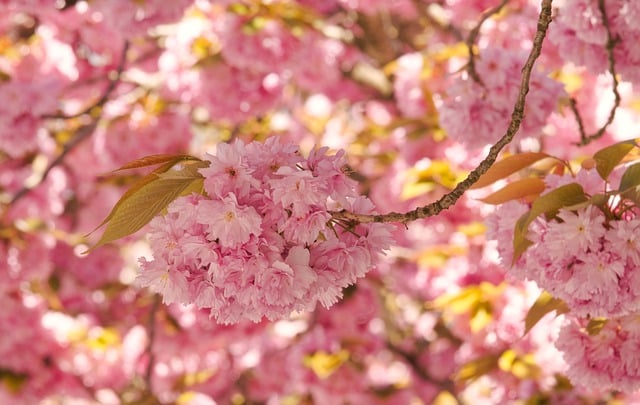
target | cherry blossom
[
  {"x": 248, "y": 262},
  {"x": 294, "y": 113}
]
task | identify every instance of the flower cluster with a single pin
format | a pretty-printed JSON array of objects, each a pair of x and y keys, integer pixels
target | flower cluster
[
  {"x": 477, "y": 114},
  {"x": 605, "y": 355},
  {"x": 587, "y": 257},
  {"x": 262, "y": 242},
  {"x": 581, "y": 36}
]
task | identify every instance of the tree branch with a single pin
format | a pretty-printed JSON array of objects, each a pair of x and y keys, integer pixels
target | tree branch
[
  {"x": 113, "y": 82},
  {"x": 149, "y": 350},
  {"x": 610, "y": 45},
  {"x": 517, "y": 116},
  {"x": 83, "y": 132},
  {"x": 412, "y": 360},
  {"x": 473, "y": 35}
]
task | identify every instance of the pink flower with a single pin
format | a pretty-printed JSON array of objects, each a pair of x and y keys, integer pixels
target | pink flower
[
  {"x": 164, "y": 279},
  {"x": 575, "y": 233},
  {"x": 305, "y": 229},
  {"x": 606, "y": 359},
  {"x": 266, "y": 49},
  {"x": 580, "y": 256},
  {"x": 227, "y": 172},
  {"x": 276, "y": 283},
  {"x": 625, "y": 239},
  {"x": 298, "y": 190},
  {"x": 228, "y": 222}
]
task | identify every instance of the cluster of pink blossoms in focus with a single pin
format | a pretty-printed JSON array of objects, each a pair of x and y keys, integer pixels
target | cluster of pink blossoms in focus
[
  {"x": 608, "y": 358},
  {"x": 584, "y": 257},
  {"x": 588, "y": 257},
  {"x": 262, "y": 242}
]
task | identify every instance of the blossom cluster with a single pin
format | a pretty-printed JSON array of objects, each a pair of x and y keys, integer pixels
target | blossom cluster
[
  {"x": 94, "y": 85},
  {"x": 262, "y": 242},
  {"x": 476, "y": 113},
  {"x": 582, "y": 37},
  {"x": 604, "y": 357},
  {"x": 587, "y": 256}
]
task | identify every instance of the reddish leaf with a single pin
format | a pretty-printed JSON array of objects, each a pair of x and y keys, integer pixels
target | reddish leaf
[
  {"x": 153, "y": 160},
  {"x": 507, "y": 166},
  {"x": 513, "y": 191}
]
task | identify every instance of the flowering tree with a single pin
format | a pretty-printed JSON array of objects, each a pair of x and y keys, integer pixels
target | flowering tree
[{"x": 312, "y": 202}]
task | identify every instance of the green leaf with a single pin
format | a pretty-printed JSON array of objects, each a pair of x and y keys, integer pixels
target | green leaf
[
  {"x": 507, "y": 166},
  {"x": 153, "y": 160},
  {"x": 631, "y": 178},
  {"x": 543, "y": 305},
  {"x": 548, "y": 204},
  {"x": 148, "y": 198},
  {"x": 608, "y": 158},
  {"x": 513, "y": 191}
]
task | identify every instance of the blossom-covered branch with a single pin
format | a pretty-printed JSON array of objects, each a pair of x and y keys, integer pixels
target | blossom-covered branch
[
  {"x": 517, "y": 116},
  {"x": 609, "y": 46}
]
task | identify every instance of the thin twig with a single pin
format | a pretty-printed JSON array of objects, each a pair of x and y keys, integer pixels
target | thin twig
[
  {"x": 412, "y": 360},
  {"x": 610, "y": 45},
  {"x": 574, "y": 107},
  {"x": 452, "y": 197},
  {"x": 149, "y": 350},
  {"x": 83, "y": 132},
  {"x": 113, "y": 82},
  {"x": 473, "y": 35}
]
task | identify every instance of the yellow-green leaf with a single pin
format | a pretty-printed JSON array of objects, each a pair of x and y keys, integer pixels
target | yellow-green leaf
[
  {"x": 460, "y": 302},
  {"x": 472, "y": 229},
  {"x": 548, "y": 204},
  {"x": 595, "y": 325},
  {"x": 543, "y": 305},
  {"x": 478, "y": 367},
  {"x": 523, "y": 366},
  {"x": 561, "y": 197},
  {"x": 481, "y": 316},
  {"x": 12, "y": 381},
  {"x": 507, "y": 166},
  {"x": 444, "y": 398},
  {"x": 324, "y": 364},
  {"x": 146, "y": 199},
  {"x": 518, "y": 189},
  {"x": 107, "y": 338},
  {"x": 196, "y": 377},
  {"x": 608, "y": 158},
  {"x": 138, "y": 185}
]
